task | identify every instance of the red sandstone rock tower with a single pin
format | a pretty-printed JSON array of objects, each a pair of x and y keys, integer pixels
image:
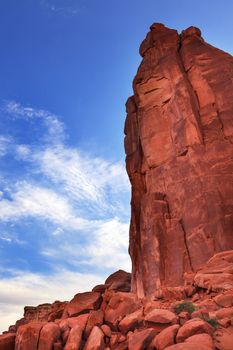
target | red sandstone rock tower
[{"x": 179, "y": 147}]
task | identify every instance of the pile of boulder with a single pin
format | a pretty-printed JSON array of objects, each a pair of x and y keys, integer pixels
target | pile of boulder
[{"x": 196, "y": 316}]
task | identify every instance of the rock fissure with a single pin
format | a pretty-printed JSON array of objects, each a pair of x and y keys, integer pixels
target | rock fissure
[
  {"x": 186, "y": 244},
  {"x": 38, "y": 340}
]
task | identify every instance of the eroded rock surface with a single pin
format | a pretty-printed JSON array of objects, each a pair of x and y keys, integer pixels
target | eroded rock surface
[{"x": 179, "y": 134}]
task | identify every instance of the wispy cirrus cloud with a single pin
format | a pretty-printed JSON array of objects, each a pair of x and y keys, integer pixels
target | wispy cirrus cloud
[
  {"x": 29, "y": 200},
  {"x": 4, "y": 144},
  {"x": 55, "y": 128},
  {"x": 62, "y": 7},
  {"x": 77, "y": 204},
  {"x": 84, "y": 178},
  {"x": 94, "y": 182}
]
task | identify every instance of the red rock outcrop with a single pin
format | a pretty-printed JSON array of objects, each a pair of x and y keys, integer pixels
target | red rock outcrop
[
  {"x": 179, "y": 147},
  {"x": 179, "y": 159},
  {"x": 7, "y": 341},
  {"x": 116, "y": 320}
]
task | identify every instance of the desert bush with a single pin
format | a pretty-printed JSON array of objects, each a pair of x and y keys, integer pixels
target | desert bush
[
  {"x": 187, "y": 306},
  {"x": 212, "y": 321}
]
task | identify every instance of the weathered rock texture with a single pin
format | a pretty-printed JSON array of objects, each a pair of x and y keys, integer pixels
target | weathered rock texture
[
  {"x": 179, "y": 147},
  {"x": 112, "y": 319},
  {"x": 178, "y": 144}
]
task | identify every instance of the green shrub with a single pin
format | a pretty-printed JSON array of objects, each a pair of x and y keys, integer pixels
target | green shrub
[
  {"x": 187, "y": 306},
  {"x": 212, "y": 321}
]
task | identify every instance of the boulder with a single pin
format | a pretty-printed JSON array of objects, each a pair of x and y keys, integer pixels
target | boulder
[
  {"x": 208, "y": 304},
  {"x": 71, "y": 322},
  {"x": 224, "y": 313},
  {"x": 140, "y": 340},
  {"x": 203, "y": 339},
  {"x": 116, "y": 339},
  {"x": 106, "y": 330},
  {"x": 49, "y": 334},
  {"x": 74, "y": 340},
  {"x": 224, "y": 299},
  {"x": 95, "y": 340},
  {"x": 202, "y": 313},
  {"x": 224, "y": 322},
  {"x": 161, "y": 316},
  {"x": 223, "y": 338},
  {"x": 83, "y": 303},
  {"x": 131, "y": 321},
  {"x": 166, "y": 337},
  {"x": 119, "y": 281},
  {"x": 27, "y": 336},
  {"x": 217, "y": 275},
  {"x": 100, "y": 288},
  {"x": 95, "y": 318},
  {"x": 120, "y": 305},
  {"x": 193, "y": 327}
]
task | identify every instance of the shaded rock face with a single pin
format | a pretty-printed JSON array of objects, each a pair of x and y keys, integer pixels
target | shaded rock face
[{"x": 179, "y": 147}]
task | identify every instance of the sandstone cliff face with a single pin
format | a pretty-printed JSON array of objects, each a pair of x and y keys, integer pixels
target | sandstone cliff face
[{"x": 179, "y": 147}]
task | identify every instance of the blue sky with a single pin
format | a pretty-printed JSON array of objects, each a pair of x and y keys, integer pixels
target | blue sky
[{"x": 66, "y": 71}]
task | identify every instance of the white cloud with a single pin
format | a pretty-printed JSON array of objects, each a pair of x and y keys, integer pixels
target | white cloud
[
  {"x": 93, "y": 183},
  {"x": 23, "y": 151},
  {"x": 28, "y": 200},
  {"x": 58, "y": 231},
  {"x": 82, "y": 176},
  {"x": 16, "y": 110},
  {"x": 25, "y": 288},
  {"x": 5, "y": 238},
  {"x": 109, "y": 248},
  {"x": 5, "y": 141},
  {"x": 66, "y": 9},
  {"x": 105, "y": 247},
  {"x": 81, "y": 196},
  {"x": 55, "y": 128}
]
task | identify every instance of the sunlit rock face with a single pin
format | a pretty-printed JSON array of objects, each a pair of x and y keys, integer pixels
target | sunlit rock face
[{"x": 179, "y": 147}]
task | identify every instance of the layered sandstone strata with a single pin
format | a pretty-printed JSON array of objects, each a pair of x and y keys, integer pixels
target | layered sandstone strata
[{"x": 179, "y": 147}]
